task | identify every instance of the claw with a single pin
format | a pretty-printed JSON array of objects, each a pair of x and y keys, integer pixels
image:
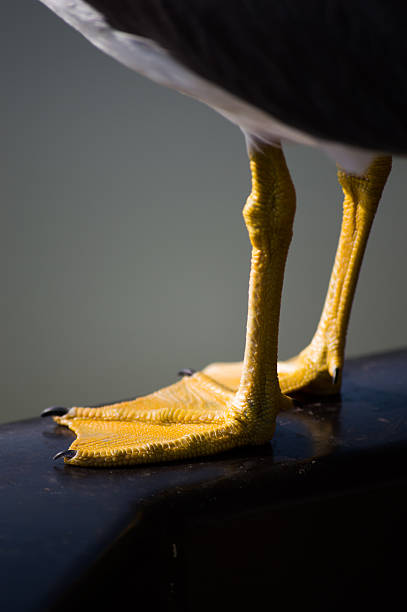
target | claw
[
  {"x": 54, "y": 411},
  {"x": 336, "y": 375},
  {"x": 69, "y": 454},
  {"x": 186, "y": 372}
]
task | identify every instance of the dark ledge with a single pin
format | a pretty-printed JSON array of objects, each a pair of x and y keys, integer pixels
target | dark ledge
[{"x": 317, "y": 516}]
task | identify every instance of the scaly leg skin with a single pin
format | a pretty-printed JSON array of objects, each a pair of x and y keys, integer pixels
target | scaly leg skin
[
  {"x": 197, "y": 415},
  {"x": 317, "y": 369}
]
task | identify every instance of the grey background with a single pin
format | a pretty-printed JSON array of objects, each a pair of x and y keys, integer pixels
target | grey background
[{"x": 123, "y": 251}]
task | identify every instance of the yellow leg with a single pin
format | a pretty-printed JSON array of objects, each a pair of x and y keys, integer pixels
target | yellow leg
[
  {"x": 318, "y": 367},
  {"x": 197, "y": 415}
]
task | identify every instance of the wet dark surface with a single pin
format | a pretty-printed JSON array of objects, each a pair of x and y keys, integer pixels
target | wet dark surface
[{"x": 165, "y": 531}]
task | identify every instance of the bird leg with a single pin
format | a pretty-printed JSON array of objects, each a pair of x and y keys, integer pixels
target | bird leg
[
  {"x": 317, "y": 369},
  {"x": 197, "y": 415}
]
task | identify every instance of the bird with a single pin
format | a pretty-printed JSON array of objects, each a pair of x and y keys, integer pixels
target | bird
[{"x": 324, "y": 73}]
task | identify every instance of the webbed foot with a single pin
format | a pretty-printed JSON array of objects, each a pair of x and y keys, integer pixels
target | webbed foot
[{"x": 195, "y": 416}]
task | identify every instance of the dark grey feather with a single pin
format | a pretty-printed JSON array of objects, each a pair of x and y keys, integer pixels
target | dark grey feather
[{"x": 332, "y": 68}]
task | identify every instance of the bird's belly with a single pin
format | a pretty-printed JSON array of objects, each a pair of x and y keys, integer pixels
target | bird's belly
[{"x": 149, "y": 59}]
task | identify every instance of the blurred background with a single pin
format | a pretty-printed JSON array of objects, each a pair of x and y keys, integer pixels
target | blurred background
[{"x": 123, "y": 250}]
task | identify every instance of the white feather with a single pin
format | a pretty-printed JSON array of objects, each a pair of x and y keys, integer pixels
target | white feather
[{"x": 148, "y": 58}]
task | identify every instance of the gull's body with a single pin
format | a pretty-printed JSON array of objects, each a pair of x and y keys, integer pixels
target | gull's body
[
  {"x": 149, "y": 58},
  {"x": 206, "y": 49}
]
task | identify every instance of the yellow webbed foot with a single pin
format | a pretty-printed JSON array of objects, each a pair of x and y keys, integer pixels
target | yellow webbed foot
[
  {"x": 310, "y": 372},
  {"x": 192, "y": 417}
]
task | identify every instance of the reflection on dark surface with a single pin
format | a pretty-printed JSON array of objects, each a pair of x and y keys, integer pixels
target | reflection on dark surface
[
  {"x": 372, "y": 410},
  {"x": 316, "y": 425}
]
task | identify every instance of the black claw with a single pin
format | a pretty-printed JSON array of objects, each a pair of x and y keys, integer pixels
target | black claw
[
  {"x": 186, "y": 372},
  {"x": 69, "y": 454},
  {"x": 54, "y": 411},
  {"x": 336, "y": 375}
]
